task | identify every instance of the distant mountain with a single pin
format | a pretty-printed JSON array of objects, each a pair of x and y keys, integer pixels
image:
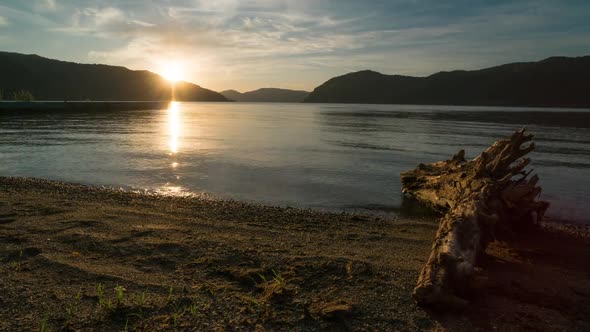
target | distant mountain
[
  {"x": 553, "y": 82},
  {"x": 232, "y": 95},
  {"x": 49, "y": 79},
  {"x": 267, "y": 95}
]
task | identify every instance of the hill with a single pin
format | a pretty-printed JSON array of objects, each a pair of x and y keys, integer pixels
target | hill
[
  {"x": 267, "y": 95},
  {"x": 553, "y": 82},
  {"x": 49, "y": 79}
]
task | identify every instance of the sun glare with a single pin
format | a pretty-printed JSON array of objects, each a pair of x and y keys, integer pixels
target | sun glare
[
  {"x": 172, "y": 72},
  {"x": 173, "y": 127}
]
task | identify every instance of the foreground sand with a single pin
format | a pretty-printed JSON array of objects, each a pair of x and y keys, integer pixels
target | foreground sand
[{"x": 196, "y": 264}]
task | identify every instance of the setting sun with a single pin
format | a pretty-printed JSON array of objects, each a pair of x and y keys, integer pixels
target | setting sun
[
  {"x": 172, "y": 72},
  {"x": 294, "y": 165}
]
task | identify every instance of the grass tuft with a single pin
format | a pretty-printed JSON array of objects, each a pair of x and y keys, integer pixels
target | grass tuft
[
  {"x": 275, "y": 286},
  {"x": 18, "y": 264},
  {"x": 44, "y": 327}
]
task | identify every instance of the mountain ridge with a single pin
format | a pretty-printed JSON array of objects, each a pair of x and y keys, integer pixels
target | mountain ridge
[
  {"x": 51, "y": 79},
  {"x": 267, "y": 95},
  {"x": 552, "y": 82}
]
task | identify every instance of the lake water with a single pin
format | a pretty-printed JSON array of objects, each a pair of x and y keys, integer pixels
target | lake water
[{"x": 326, "y": 156}]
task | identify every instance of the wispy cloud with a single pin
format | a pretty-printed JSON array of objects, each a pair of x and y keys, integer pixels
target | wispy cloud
[
  {"x": 3, "y": 21},
  {"x": 301, "y": 43},
  {"x": 44, "y": 5},
  {"x": 105, "y": 22}
]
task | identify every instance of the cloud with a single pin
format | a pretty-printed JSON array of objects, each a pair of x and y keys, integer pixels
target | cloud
[
  {"x": 105, "y": 22},
  {"x": 141, "y": 23},
  {"x": 3, "y": 21},
  {"x": 231, "y": 43},
  {"x": 261, "y": 39},
  {"x": 45, "y": 5},
  {"x": 104, "y": 16}
]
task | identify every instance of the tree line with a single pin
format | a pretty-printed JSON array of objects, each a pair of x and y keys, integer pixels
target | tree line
[{"x": 20, "y": 95}]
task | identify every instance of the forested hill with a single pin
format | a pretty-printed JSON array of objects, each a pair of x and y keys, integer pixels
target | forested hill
[
  {"x": 49, "y": 79},
  {"x": 553, "y": 82},
  {"x": 267, "y": 95}
]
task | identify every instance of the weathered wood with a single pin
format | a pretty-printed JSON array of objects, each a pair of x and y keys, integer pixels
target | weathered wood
[{"x": 484, "y": 198}]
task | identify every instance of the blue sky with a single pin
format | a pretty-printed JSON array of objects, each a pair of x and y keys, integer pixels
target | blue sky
[{"x": 248, "y": 44}]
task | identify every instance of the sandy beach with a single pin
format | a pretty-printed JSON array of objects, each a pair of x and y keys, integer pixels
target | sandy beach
[{"x": 74, "y": 257}]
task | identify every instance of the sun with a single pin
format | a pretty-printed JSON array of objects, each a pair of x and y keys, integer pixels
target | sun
[{"x": 172, "y": 72}]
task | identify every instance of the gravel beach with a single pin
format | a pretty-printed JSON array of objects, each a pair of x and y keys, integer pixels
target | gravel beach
[{"x": 75, "y": 257}]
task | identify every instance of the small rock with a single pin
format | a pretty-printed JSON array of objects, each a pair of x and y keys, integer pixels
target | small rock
[{"x": 335, "y": 309}]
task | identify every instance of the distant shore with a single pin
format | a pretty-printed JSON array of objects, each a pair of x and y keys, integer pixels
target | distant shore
[
  {"x": 81, "y": 105},
  {"x": 90, "y": 258}
]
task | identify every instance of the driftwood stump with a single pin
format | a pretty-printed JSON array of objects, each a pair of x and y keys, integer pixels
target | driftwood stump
[{"x": 486, "y": 197}]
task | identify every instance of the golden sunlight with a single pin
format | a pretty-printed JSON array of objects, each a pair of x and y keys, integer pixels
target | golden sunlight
[
  {"x": 173, "y": 126},
  {"x": 172, "y": 72}
]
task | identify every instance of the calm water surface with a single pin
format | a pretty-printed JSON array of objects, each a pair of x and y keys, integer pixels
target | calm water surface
[{"x": 335, "y": 157}]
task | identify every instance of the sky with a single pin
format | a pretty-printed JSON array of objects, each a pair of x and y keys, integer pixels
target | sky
[{"x": 297, "y": 44}]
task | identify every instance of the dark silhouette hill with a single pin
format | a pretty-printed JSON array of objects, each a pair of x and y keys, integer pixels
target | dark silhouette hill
[
  {"x": 553, "y": 82},
  {"x": 49, "y": 79},
  {"x": 267, "y": 95}
]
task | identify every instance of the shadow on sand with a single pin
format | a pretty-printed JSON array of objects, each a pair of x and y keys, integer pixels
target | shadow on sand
[{"x": 538, "y": 282}]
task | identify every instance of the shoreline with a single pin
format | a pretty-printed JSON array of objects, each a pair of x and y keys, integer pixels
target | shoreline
[
  {"x": 214, "y": 264},
  {"x": 37, "y": 106},
  {"x": 96, "y": 105}
]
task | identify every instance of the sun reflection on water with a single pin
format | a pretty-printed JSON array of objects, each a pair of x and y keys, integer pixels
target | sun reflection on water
[
  {"x": 173, "y": 126},
  {"x": 170, "y": 189},
  {"x": 173, "y": 133}
]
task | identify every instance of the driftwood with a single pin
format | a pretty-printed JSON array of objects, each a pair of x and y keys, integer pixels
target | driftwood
[{"x": 484, "y": 198}]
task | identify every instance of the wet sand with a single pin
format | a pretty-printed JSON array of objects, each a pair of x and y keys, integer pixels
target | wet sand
[{"x": 201, "y": 264}]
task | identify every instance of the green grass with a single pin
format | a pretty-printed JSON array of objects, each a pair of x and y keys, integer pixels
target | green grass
[
  {"x": 44, "y": 327},
  {"x": 194, "y": 310},
  {"x": 18, "y": 264},
  {"x": 275, "y": 286},
  {"x": 120, "y": 292},
  {"x": 138, "y": 300},
  {"x": 104, "y": 302},
  {"x": 74, "y": 304},
  {"x": 170, "y": 295},
  {"x": 130, "y": 310}
]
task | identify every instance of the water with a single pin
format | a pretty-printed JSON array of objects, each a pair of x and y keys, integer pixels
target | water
[{"x": 326, "y": 156}]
